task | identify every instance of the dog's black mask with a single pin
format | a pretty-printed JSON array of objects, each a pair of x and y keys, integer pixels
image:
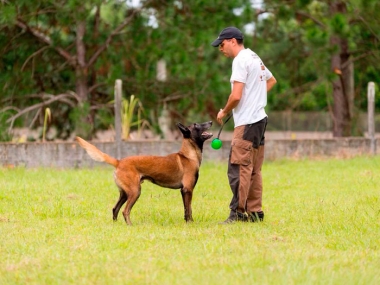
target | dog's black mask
[{"x": 196, "y": 132}]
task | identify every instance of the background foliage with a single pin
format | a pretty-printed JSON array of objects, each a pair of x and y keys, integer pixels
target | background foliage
[{"x": 66, "y": 55}]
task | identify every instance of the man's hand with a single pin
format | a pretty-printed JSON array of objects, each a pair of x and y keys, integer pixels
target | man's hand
[{"x": 220, "y": 116}]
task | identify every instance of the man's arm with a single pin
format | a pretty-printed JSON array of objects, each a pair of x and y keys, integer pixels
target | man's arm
[
  {"x": 233, "y": 100},
  {"x": 270, "y": 83}
]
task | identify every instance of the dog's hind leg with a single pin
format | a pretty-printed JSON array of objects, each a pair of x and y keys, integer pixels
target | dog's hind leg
[
  {"x": 187, "y": 196},
  {"x": 133, "y": 196},
  {"x": 122, "y": 199}
]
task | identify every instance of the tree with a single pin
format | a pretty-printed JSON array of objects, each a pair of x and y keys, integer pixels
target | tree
[
  {"x": 68, "y": 54},
  {"x": 322, "y": 31},
  {"x": 78, "y": 48},
  {"x": 70, "y": 39}
]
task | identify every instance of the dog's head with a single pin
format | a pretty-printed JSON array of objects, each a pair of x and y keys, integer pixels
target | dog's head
[{"x": 196, "y": 132}]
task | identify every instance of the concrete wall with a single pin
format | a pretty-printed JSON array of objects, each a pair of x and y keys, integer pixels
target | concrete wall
[{"x": 70, "y": 154}]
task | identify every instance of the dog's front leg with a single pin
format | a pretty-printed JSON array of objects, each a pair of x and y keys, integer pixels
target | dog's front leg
[{"x": 187, "y": 195}]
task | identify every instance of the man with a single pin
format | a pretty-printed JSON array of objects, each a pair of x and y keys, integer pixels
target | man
[{"x": 250, "y": 81}]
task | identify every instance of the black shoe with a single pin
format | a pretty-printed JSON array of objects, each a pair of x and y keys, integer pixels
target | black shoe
[
  {"x": 236, "y": 216},
  {"x": 256, "y": 216}
]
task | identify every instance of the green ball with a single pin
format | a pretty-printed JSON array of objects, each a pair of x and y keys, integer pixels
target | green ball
[{"x": 216, "y": 143}]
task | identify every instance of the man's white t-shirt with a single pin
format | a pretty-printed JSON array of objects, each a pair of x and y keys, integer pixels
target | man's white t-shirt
[{"x": 248, "y": 68}]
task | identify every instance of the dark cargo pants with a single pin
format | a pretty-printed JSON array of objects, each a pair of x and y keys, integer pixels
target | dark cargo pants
[{"x": 244, "y": 167}]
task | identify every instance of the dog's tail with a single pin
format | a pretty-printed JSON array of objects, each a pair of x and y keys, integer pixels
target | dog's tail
[{"x": 96, "y": 154}]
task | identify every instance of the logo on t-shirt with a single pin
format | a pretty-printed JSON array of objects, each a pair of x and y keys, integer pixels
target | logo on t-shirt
[{"x": 262, "y": 76}]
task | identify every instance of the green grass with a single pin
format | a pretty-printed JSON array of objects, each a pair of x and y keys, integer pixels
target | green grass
[{"x": 322, "y": 226}]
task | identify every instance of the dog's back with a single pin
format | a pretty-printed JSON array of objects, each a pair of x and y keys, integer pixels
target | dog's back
[{"x": 165, "y": 171}]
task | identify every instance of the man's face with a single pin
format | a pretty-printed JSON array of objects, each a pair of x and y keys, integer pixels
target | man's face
[{"x": 226, "y": 47}]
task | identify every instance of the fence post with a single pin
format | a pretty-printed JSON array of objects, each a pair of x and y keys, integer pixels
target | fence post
[
  {"x": 118, "y": 96},
  {"x": 371, "y": 116}
]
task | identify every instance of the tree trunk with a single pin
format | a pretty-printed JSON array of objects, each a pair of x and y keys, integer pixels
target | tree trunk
[
  {"x": 348, "y": 85},
  {"x": 343, "y": 87},
  {"x": 84, "y": 123},
  {"x": 81, "y": 68},
  {"x": 81, "y": 87}
]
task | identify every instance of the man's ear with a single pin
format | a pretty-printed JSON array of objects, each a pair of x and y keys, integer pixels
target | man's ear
[{"x": 184, "y": 130}]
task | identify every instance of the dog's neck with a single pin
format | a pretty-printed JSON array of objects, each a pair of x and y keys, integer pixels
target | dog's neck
[{"x": 191, "y": 150}]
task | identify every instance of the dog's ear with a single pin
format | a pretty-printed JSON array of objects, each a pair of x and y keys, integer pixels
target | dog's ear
[{"x": 184, "y": 130}]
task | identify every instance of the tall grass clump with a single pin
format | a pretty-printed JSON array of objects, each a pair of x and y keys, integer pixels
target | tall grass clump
[{"x": 129, "y": 107}]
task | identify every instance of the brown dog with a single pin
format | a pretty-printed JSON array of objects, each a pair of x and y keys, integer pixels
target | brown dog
[{"x": 176, "y": 171}]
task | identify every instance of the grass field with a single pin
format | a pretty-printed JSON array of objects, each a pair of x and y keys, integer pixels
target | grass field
[{"x": 322, "y": 226}]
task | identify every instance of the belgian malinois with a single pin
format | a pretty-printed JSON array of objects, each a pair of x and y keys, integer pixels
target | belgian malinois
[{"x": 176, "y": 171}]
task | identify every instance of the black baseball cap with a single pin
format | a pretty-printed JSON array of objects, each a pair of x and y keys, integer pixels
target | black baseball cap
[{"x": 228, "y": 33}]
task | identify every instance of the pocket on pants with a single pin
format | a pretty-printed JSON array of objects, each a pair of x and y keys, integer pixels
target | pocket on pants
[{"x": 241, "y": 152}]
